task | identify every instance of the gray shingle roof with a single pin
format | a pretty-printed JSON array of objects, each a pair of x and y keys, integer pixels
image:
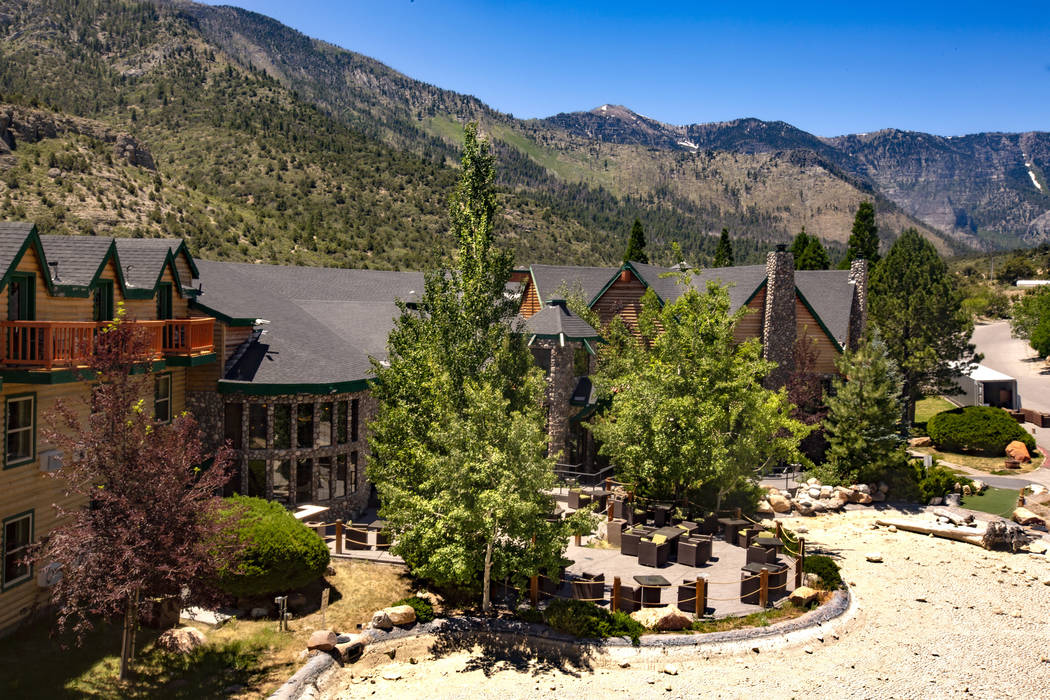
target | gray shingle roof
[
  {"x": 324, "y": 323},
  {"x": 742, "y": 281},
  {"x": 78, "y": 257},
  {"x": 555, "y": 320},
  {"x": 12, "y": 236},
  {"x": 550, "y": 279},
  {"x": 830, "y": 294},
  {"x": 143, "y": 259}
]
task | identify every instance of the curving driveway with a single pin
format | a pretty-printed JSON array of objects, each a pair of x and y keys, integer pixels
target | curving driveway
[{"x": 1015, "y": 357}]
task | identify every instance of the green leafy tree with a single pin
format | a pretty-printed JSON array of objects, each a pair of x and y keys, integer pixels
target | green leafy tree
[
  {"x": 917, "y": 308},
  {"x": 636, "y": 244},
  {"x": 1015, "y": 267},
  {"x": 724, "y": 251},
  {"x": 864, "y": 409},
  {"x": 809, "y": 252},
  {"x": 688, "y": 410},
  {"x": 1030, "y": 319},
  {"x": 864, "y": 237},
  {"x": 459, "y": 448}
]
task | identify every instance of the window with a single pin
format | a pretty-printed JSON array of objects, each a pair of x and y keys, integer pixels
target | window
[
  {"x": 165, "y": 298},
  {"x": 542, "y": 357},
  {"x": 257, "y": 478},
  {"x": 324, "y": 478},
  {"x": 234, "y": 485},
  {"x": 233, "y": 429},
  {"x": 305, "y": 425},
  {"x": 21, "y": 297},
  {"x": 21, "y": 429},
  {"x": 353, "y": 472},
  {"x": 282, "y": 426},
  {"x": 340, "y": 421},
  {"x": 324, "y": 424},
  {"x": 304, "y": 481},
  {"x": 339, "y": 481},
  {"x": 282, "y": 475},
  {"x": 17, "y": 536},
  {"x": 103, "y": 300},
  {"x": 257, "y": 426},
  {"x": 354, "y": 411},
  {"x": 162, "y": 398}
]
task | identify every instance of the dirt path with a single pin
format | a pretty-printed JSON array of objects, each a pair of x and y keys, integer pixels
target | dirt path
[{"x": 936, "y": 619}]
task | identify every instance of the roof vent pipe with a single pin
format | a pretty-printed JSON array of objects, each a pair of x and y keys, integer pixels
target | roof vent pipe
[{"x": 54, "y": 271}]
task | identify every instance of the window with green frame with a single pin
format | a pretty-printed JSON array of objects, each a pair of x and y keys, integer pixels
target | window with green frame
[
  {"x": 102, "y": 298},
  {"x": 162, "y": 398},
  {"x": 17, "y": 536},
  {"x": 21, "y": 297},
  {"x": 20, "y": 421},
  {"x": 165, "y": 301}
]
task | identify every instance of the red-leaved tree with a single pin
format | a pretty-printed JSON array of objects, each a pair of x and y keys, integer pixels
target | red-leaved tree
[{"x": 147, "y": 523}]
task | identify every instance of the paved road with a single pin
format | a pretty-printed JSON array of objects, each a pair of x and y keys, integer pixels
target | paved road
[{"x": 1016, "y": 358}]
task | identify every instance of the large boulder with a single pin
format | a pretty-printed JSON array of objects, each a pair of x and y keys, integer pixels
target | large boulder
[
  {"x": 1019, "y": 451},
  {"x": 779, "y": 503},
  {"x": 381, "y": 621},
  {"x": 864, "y": 499},
  {"x": 764, "y": 507},
  {"x": 182, "y": 640},
  {"x": 921, "y": 441},
  {"x": 803, "y": 596},
  {"x": 322, "y": 640},
  {"x": 979, "y": 486},
  {"x": 401, "y": 614},
  {"x": 666, "y": 618}
]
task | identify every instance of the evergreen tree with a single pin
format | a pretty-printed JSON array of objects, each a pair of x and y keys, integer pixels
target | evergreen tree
[
  {"x": 724, "y": 251},
  {"x": 916, "y": 306},
  {"x": 809, "y": 252},
  {"x": 798, "y": 245},
  {"x": 864, "y": 410},
  {"x": 459, "y": 446},
  {"x": 864, "y": 239},
  {"x": 636, "y": 244}
]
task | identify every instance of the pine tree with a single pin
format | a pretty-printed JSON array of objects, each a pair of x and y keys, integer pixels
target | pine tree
[
  {"x": 798, "y": 245},
  {"x": 636, "y": 244},
  {"x": 864, "y": 409},
  {"x": 864, "y": 239},
  {"x": 724, "y": 251},
  {"x": 917, "y": 307}
]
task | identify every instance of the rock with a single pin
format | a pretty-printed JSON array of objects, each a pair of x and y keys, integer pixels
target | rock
[
  {"x": 802, "y": 530},
  {"x": 863, "y": 488},
  {"x": 864, "y": 499},
  {"x": 381, "y": 621},
  {"x": 53, "y": 173},
  {"x": 665, "y": 618},
  {"x": 936, "y": 501},
  {"x": 837, "y": 503},
  {"x": 1036, "y": 489},
  {"x": 826, "y": 491},
  {"x": 812, "y": 481},
  {"x": 1038, "y": 547},
  {"x": 819, "y": 506},
  {"x": 803, "y": 596},
  {"x": 772, "y": 491},
  {"x": 671, "y": 669},
  {"x": 804, "y": 507},
  {"x": 921, "y": 441},
  {"x": 878, "y": 497},
  {"x": 391, "y": 674},
  {"x": 259, "y": 613},
  {"x": 967, "y": 490},
  {"x": 765, "y": 508},
  {"x": 329, "y": 571},
  {"x": 810, "y": 580},
  {"x": 401, "y": 614},
  {"x": 1019, "y": 451},
  {"x": 953, "y": 499},
  {"x": 979, "y": 486},
  {"x": 624, "y": 663},
  {"x": 182, "y": 640},
  {"x": 779, "y": 503},
  {"x": 892, "y": 528},
  {"x": 884, "y": 487},
  {"x": 297, "y": 602},
  {"x": 352, "y": 649},
  {"x": 813, "y": 492},
  {"x": 874, "y": 557},
  {"x": 1023, "y": 516},
  {"x": 322, "y": 640}
]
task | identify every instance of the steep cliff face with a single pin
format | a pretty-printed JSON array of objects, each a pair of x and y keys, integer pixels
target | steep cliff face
[{"x": 19, "y": 123}]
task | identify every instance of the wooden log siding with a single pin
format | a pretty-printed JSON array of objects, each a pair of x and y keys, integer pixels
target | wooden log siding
[
  {"x": 750, "y": 326},
  {"x": 530, "y": 300},
  {"x": 806, "y": 326},
  {"x": 623, "y": 298}
]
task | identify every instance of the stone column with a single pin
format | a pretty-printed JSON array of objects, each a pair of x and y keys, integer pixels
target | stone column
[
  {"x": 778, "y": 327},
  {"x": 858, "y": 315},
  {"x": 559, "y": 393}
]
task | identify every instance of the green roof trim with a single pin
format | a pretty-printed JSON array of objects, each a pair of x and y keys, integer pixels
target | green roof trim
[
  {"x": 820, "y": 322},
  {"x": 228, "y": 320},
  {"x": 229, "y": 386},
  {"x": 612, "y": 281},
  {"x": 758, "y": 289},
  {"x": 191, "y": 360}
]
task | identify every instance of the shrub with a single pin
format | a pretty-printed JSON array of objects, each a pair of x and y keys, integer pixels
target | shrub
[
  {"x": 982, "y": 430},
  {"x": 936, "y": 481},
  {"x": 280, "y": 552},
  {"x": 825, "y": 568},
  {"x": 589, "y": 621},
  {"x": 424, "y": 610},
  {"x": 530, "y": 615}
]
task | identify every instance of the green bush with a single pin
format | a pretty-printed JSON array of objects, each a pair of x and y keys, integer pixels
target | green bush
[
  {"x": 424, "y": 610},
  {"x": 589, "y": 621},
  {"x": 825, "y": 568},
  {"x": 936, "y": 482},
  {"x": 982, "y": 430},
  {"x": 280, "y": 554},
  {"x": 1040, "y": 339},
  {"x": 530, "y": 615}
]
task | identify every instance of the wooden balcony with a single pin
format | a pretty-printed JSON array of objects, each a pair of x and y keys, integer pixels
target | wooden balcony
[{"x": 51, "y": 344}]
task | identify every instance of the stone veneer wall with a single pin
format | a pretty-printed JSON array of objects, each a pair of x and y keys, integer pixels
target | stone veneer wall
[
  {"x": 209, "y": 408},
  {"x": 858, "y": 318},
  {"x": 778, "y": 327},
  {"x": 559, "y": 392}
]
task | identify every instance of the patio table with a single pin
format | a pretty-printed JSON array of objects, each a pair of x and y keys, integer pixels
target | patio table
[
  {"x": 651, "y": 585},
  {"x": 731, "y": 526},
  {"x": 671, "y": 532},
  {"x": 768, "y": 542},
  {"x": 599, "y": 495}
]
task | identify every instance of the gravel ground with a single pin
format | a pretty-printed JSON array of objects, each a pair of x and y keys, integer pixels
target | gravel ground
[{"x": 936, "y": 619}]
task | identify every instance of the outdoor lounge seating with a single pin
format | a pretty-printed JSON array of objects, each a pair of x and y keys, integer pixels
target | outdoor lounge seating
[
  {"x": 357, "y": 536},
  {"x": 613, "y": 531},
  {"x": 630, "y": 598},
  {"x": 751, "y": 583},
  {"x": 578, "y": 499},
  {"x": 710, "y": 525},
  {"x": 746, "y": 536},
  {"x": 687, "y": 596},
  {"x": 661, "y": 515},
  {"x": 761, "y": 555},
  {"x": 694, "y": 551},
  {"x": 629, "y": 539},
  {"x": 637, "y": 516},
  {"x": 619, "y": 511},
  {"x": 689, "y": 527},
  {"x": 590, "y": 587},
  {"x": 652, "y": 553}
]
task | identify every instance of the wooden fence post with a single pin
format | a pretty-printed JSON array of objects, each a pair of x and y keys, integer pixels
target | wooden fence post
[
  {"x": 739, "y": 513},
  {"x": 577, "y": 540},
  {"x": 779, "y": 531},
  {"x": 615, "y": 604},
  {"x": 534, "y": 590},
  {"x": 800, "y": 563},
  {"x": 609, "y": 511},
  {"x": 338, "y": 536},
  {"x": 701, "y": 596},
  {"x": 763, "y": 587}
]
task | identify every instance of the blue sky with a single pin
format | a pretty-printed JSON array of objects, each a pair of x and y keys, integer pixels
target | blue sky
[{"x": 829, "y": 69}]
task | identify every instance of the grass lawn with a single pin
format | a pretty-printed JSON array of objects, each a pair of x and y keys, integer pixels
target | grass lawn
[
  {"x": 999, "y": 502},
  {"x": 991, "y": 465},
  {"x": 764, "y": 618},
  {"x": 927, "y": 408},
  {"x": 247, "y": 653}
]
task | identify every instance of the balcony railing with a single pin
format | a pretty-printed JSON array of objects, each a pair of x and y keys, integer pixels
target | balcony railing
[{"x": 49, "y": 344}]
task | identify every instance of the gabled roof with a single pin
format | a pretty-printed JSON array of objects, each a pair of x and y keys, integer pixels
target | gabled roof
[
  {"x": 143, "y": 260},
  {"x": 80, "y": 259},
  {"x": 828, "y": 294},
  {"x": 550, "y": 280},
  {"x": 742, "y": 282},
  {"x": 556, "y": 321}
]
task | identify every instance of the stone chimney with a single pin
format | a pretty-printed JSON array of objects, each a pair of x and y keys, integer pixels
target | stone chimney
[
  {"x": 858, "y": 313},
  {"x": 778, "y": 327}
]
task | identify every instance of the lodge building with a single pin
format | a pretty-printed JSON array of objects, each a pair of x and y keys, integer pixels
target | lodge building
[{"x": 276, "y": 360}]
